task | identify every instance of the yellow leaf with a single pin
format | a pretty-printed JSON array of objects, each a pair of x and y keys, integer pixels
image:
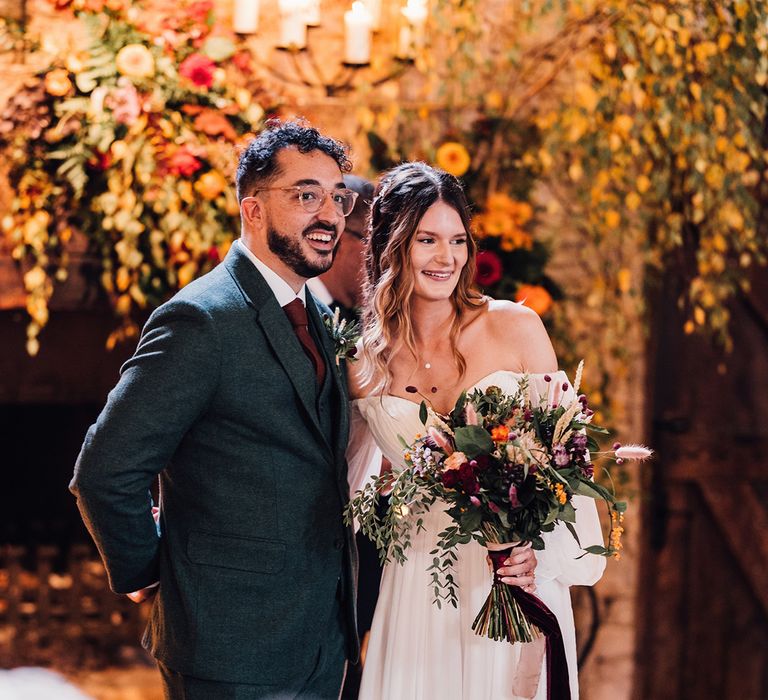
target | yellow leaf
[
  {"x": 695, "y": 91},
  {"x": 720, "y": 117},
  {"x": 699, "y": 315},
  {"x": 724, "y": 41},
  {"x": 586, "y": 97},
  {"x": 632, "y": 200},
  {"x": 623, "y": 124},
  {"x": 625, "y": 280},
  {"x": 643, "y": 184},
  {"x": 689, "y": 327},
  {"x": 612, "y": 218}
]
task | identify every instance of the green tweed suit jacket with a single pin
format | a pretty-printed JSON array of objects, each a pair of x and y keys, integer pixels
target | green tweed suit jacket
[{"x": 220, "y": 401}]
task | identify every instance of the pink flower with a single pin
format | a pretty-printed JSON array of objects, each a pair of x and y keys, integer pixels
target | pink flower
[
  {"x": 198, "y": 69},
  {"x": 489, "y": 268},
  {"x": 470, "y": 414},
  {"x": 124, "y": 102},
  {"x": 514, "y": 501},
  {"x": 637, "y": 452},
  {"x": 475, "y": 501},
  {"x": 493, "y": 507},
  {"x": 440, "y": 439}
]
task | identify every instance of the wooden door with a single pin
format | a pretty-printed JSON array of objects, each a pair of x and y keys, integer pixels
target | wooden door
[{"x": 704, "y": 573}]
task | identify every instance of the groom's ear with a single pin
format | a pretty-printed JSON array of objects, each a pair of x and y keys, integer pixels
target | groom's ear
[{"x": 252, "y": 211}]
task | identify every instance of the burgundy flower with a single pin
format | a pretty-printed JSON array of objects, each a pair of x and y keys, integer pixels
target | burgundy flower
[
  {"x": 482, "y": 462},
  {"x": 493, "y": 507},
  {"x": 489, "y": 268},
  {"x": 466, "y": 471},
  {"x": 471, "y": 485},
  {"x": 475, "y": 501},
  {"x": 198, "y": 69},
  {"x": 213, "y": 254},
  {"x": 450, "y": 478}
]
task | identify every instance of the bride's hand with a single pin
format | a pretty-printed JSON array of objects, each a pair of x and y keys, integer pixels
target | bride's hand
[{"x": 519, "y": 568}]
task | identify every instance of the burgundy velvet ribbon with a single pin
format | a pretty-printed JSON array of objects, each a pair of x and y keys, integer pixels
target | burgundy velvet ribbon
[{"x": 558, "y": 683}]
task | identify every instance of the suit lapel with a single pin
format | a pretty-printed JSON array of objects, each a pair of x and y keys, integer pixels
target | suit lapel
[
  {"x": 278, "y": 332},
  {"x": 329, "y": 353}
]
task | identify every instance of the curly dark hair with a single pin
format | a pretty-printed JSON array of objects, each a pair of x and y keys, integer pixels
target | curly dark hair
[{"x": 258, "y": 165}]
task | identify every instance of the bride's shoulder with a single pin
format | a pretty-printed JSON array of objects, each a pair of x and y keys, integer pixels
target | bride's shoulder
[
  {"x": 511, "y": 316},
  {"x": 514, "y": 325}
]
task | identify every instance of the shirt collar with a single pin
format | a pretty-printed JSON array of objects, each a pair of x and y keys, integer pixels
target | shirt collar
[{"x": 280, "y": 288}]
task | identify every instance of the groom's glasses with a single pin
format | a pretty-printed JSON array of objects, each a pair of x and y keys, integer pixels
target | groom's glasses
[{"x": 312, "y": 197}]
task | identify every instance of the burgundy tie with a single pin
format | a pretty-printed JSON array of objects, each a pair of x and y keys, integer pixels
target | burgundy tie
[{"x": 297, "y": 315}]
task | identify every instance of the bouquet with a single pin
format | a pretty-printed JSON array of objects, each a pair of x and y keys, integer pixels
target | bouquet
[{"x": 508, "y": 466}]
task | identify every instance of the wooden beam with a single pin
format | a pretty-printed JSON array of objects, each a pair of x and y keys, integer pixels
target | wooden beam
[{"x": 743, "y": 520}]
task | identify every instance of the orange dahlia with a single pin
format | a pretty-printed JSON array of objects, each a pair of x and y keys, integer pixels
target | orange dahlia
[{"x": 453, "y": 158}]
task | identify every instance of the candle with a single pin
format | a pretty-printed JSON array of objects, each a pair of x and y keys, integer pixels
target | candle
[
  {"x": 374, "y": 8},
  {"x": 357, "y": 24},
  {"x": 246, "y": 18},
  {"x": 412, "y": 31},
  {"x": 313, "y": 13},
  {"x": 293, "y": 24}
]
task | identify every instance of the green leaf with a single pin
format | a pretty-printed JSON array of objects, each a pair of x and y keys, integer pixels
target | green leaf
[
  {"x": 567, "y": 513},
  {"x": 473, "y": 440},
  {"x": 572, "y": 530},
  {"x": 458, "y": 409}
]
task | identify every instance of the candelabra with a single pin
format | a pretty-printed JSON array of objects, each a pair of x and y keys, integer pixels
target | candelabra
[{"x": 295, "y": 59}]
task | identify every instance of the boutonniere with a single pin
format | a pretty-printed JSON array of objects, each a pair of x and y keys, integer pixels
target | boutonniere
[{"x": 344, "y": 336}]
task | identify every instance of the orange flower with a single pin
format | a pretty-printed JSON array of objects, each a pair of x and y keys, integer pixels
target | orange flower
[
  {"x": 214, "y": 124},
  {"x": 57, "y": 82},
  {"x": 211, "y": 185},
  {"x": 500, "y": 433},
  {"x": 535, "y": 297},
  {"x": 453, "y": 158},
  {"x": 516, "y": 238},
  {"x": 135, "y": 61}
]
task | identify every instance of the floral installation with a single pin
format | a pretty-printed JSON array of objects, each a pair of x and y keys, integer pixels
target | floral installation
[
  {"x": 130, "y": 143},
  {"x": 508, "y": 466},
  {"x": 344, "y": 335}
]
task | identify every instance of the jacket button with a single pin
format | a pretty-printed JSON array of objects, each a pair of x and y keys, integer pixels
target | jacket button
[{"x": 338, "y": 543}]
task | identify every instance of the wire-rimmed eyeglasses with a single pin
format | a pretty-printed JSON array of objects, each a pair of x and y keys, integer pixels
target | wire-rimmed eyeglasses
[{"x": 312, "y": 197}]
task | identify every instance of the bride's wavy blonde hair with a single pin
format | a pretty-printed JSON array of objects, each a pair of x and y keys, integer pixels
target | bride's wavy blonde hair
[{"x": 401, "y": 199}]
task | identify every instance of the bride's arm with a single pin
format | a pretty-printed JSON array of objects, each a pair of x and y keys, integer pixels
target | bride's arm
[{"x": 364, "y": 458}]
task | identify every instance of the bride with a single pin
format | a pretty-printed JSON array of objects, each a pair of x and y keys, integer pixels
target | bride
[{"x": 424, "y": 328}]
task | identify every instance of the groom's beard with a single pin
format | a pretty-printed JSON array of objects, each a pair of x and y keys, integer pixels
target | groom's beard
[{"x": 289, "y": 250}]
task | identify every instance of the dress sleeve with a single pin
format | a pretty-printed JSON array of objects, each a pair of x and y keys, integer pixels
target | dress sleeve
[
  {"x": 560, "y": 558},
  {"x": 363, "y": 454}
]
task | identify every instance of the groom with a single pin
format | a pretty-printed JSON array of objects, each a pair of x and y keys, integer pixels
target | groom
[{"x": 240, "y": 407}]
